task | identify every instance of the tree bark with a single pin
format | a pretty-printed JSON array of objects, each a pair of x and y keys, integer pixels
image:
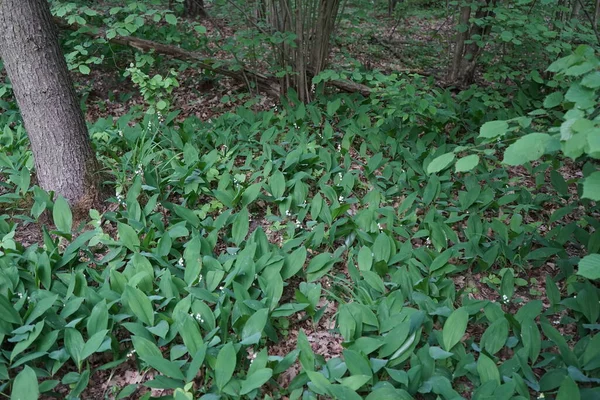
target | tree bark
[
  {"x": 64, "y": 159},
  {"x": 459, "y": 48},
  {"x": 194, "y": 8}
]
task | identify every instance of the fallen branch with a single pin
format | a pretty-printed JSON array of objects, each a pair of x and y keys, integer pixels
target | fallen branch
[{"x": 266, "y": 83}]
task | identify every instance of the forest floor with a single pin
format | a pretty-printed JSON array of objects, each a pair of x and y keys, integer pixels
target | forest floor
[{"x": 415, "y": 44}]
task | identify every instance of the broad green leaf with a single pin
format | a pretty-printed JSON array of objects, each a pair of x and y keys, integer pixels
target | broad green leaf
[
  {"x": 240, "y": 227},
  {"x": 365, "y": 259},
  {"x": 25, "y": 386},
  {"x": 226, "y": 362},
  {"x": 61, "y": 213},
  {"x": 140, "y": 304},
  {"x": 8, "y": 312},
  {"x": 333, "y": 106},
  {"x": 171, "y": 19},
  {"x": 591, "y": 187},
  {"x": 568, "y": 390},
  {"x": 84, "y": 69},
  {"x": 553, "y": 100},
  {"x": 495, "y": 336},
  {"x": 589, "y": 267},
  {"x": 252, "y": 331},
  {"x": 190, "y": 333},
  {"x": 145, "y": 348},
  {"x": 98, "y": 319},
  {"x": 319, "y": 266},
  {"x": 467, "y": 163},
  {"x": 493, "y": 129},
  {"x": 440, "y": 163},
  {"x": 250, "y": 194},
  {"x": 357, "y": 364},
  {"x": 165, "y": 367},
  {"x": 74, "y": 345},
  {"x": 592, "y": 80},
  {"x": 528, "y": 148},
  {"x": 293, "y": 263},
  {"x": 487, "y": 369},
  {"x": 193, "y": 261},
  {"x": 437, "y": 353},
  {"x": 256, "y": 380},
  {"x": 128, "y": 236},
  {"x": 581, "y": 95},
  {"x": 93, "y": 344},
  {"x": 277, "y": 184},
  {"x": 454, "y": 328},
  {"x": 532, "y": 340}
]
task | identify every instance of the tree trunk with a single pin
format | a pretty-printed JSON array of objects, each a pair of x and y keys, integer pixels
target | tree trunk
[
  {"x": 459, "y": 48},
  {"x": 194, "y": 8},
  {"x": 596, "y": 14},
  {"x": 64, "y": 159}
]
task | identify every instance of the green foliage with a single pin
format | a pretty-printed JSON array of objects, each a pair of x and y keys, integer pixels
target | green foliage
[{"x": 228, "y": 239}]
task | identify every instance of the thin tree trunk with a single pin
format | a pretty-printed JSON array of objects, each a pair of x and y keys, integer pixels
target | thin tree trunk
[
  {"x": 64, "y": 159},
  {"x": 596, "y": 14},
  {"x": 461, "y": 37},
  {"x": 576, "y": 9},
  {"x": 194, "y": 8}
]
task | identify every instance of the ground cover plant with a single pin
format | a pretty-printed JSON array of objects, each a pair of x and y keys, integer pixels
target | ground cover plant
[{"x": 389, "y": 233}]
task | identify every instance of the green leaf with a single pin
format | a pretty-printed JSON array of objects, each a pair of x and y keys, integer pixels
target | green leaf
[
  {"x": 455, "y": 328},
  {"x": 165, "y": 367},
  {"x": 487, "y": 369},
  {"x": 193, "y": 261},
  {"x": 467, "y": 163},
  {"x": 319, "y": 266},
  {"x": 589, "y": 267},
  {"x": 254, "y": 326},
  {"x": 592, "y": 80},
  {"x": 528, "y": 148},
  {"x": 145, "y": 348},
  {"x": 74, "y": 345},
  {"x": 568, "y": 390},
  {"x": 171, "y": 19},
  {"x": 495, "y": 336},
  {"x": 365, "y": 259},
  {"x": 226, "y": 362},
  {"x": 591, "y": 187},
  {"x": 333, "y": 106},
  {"x": 357, "y": 364},
  {"x": 98, "y": 319},
  {"x": 440, "y": 163},
  {"x": 553, "y": 100},
  {"x": 582, "y": 96},
  {"x": 256, "y": 380},
  {"x": 8, "y": 312},
  {"x": 93, "y": 344},
  {"x": 437, "y": 353},
  {"x": 532, "y": 340},
  {"x": 84, "y": 69},
  {"x": 140, "y": 304},
  {"x": 128, "y": 236},
  {"x": 493, "y": 129},
  {"x": 250, "y": 194},
  {"x": 277, "y": 184},
  {"x": 190, "y": 333},
  {"x": 161, "y": 105},
  {"x": 61, "y": 213},
  {"x": 293, "y": 263},
  {"x": 25, "y": 386},
  {"x": 240, "y": 227}
]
